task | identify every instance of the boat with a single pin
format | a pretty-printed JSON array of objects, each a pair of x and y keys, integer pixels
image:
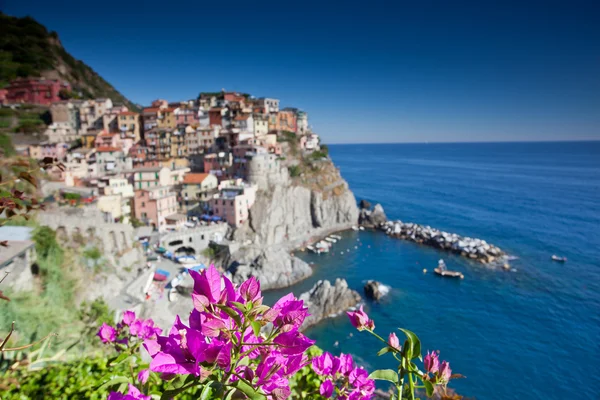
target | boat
[
  {"x": 355, "y": 228},
  {"x": 186, "y": 260},
  {"x": 173, "y": 295},
  {"x": 559, "y": 259},
  {"x": 331, "y": 240},
  {"x": 441, "y": 270},
  {"x": 362, "y": 228},
  {"x": 336, "y": 237}
]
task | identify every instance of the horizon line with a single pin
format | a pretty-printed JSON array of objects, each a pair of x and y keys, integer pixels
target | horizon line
[{"x": 471, "y": 142}]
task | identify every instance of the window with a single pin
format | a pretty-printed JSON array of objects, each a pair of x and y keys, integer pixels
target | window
[{"x": 143, "y": 204}]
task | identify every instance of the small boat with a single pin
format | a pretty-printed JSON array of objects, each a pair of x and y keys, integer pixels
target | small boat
[
  {"x": 331, "y": 240},
  {"x": 362, "y": 228},
  {"x": 186, "y": 260},
  {"x": 336, "y": 237},
  {"x": 559, "y": 259},
  {"x": 441, "y": 270},
  {"x": 355, "y": 228},
  {"x": 449, "y": 274},
  {"x": 173, "y": 295}
]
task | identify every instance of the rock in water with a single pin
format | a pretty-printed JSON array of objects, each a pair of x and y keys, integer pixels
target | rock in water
[
  {"x": 273, "y": 268},
  {"x": 372, "y": 218},
  {"x": 364, "y": 204},
  {"x": 373, "y": 290},
  {"x": 325, "y": 300}
]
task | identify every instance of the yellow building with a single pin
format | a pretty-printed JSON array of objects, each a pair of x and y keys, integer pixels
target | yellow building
[
  {"x": 166, "y": 118},
  {"x": 129, "y": 124}
]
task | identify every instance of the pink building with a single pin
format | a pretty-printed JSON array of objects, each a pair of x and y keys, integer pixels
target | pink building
[
  {"x": 186, "y": 117},
  {"x": 105, "y": 139},
  {"x": 52, "y": 150},
  {"x": 153, "y": 206},
  {"x": 35, "y": 91},
  {"x": 233, "y": 202}
]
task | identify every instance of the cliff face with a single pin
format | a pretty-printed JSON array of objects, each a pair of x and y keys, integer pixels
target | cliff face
[{"x": 288, "y": 212}]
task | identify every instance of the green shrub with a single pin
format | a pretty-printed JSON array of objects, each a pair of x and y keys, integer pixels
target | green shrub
[{"x": 294, "y": 170}]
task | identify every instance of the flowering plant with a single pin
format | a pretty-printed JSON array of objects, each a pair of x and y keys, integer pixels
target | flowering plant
[
  {"x": 233, "y": 346},
  {"x": 406, "y": 377}
]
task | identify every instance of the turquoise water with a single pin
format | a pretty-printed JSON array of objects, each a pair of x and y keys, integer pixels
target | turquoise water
[{"x": 530, "y": 334}]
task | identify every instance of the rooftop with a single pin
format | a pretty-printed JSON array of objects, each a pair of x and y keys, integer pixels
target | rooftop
[
  {"x": 107, "y": 149},
  {"x": 194, "y": 178}
]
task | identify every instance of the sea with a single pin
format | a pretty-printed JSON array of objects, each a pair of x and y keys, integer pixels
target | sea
[{"x": 529, "y": 333}]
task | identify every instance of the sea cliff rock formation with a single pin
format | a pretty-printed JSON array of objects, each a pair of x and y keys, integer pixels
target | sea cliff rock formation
[
  {"x": 371, "y": 218},
  {"x": 373, "y": 290},
  {"x": 325, "y": 300},
  {"x": 288, "y": 212},
  {"x": 275, "y": 268}
]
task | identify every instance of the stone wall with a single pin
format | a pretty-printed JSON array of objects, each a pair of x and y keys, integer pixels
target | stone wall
[
  {"x": 87, "y": 223},
  {"x": 195, "y": 238}
]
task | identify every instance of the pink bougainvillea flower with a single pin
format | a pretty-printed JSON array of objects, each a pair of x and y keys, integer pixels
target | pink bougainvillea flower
[
  {"x": 346, "y": 364},
  {"x": 293, "y": 342},
  {"x": 250, "y": 289},
  {"x": 291, "y": 311},
  {"x": 207, "y": 283},
  {"x": 360, "y": 320},
  {"x": 212, "y": 327},
  {"x": 323, "y": 364},
  {"x": 143, "y": 376},
  {"x": 107, "y": 333},
  {"x": 135, "y": 328},
  {"x": 132, "y": 394},
  {"x": 445, "y": 372},
  {"x": 431, "y": 362},
  {"x": 128, "y": 318},
  {"x": 393, "y": 341},
  {"x": 173, "y": 364},
  {"x": 326, "y": 388}
]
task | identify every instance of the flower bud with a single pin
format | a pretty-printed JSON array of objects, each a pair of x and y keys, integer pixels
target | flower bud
[
  {"x": 393, "y": 341},
  {"x": 431, "y": 362}
]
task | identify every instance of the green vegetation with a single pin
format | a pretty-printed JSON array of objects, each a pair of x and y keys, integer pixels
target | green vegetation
[
  {"x": 136, "y": 223},
  {"x": 92, "y": 253},
  {"x": 294, "y": 170},
  {"x": 27, "y": 49},
  {"x": 318, "y": 154},
  {"x": 6, "y": 146},
  {"x": 209, "y": 253},
  {"x": 210, "y": 94}
]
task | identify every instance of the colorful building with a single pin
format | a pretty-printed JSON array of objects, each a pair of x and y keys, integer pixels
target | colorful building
[
  {"x": 152, "y": 206},
  {"x": 35, "y": 91},
  {"x": 197, "y": 188}
]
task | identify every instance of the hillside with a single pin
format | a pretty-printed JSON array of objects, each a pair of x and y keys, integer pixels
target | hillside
[{"x": 28, "y": 49}]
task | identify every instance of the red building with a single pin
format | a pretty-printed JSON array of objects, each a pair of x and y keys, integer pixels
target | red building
[
  {"x": 233, "y": 96},
  {"x": 215, "y": 116},
  {"x": 35, "y": 91}
]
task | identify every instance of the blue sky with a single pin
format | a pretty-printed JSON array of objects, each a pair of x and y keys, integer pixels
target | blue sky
[{"x": 400, "y": 71}]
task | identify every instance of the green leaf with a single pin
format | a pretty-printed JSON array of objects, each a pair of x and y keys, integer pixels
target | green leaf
[
  {"x": 415, "y": 343},
  {"x": 248, "y": 390},
  {"x": 385, "y": 375},
  {"x": 240, "y": 306},
  {"x": 384, "y": 350},
  {"x": 207, "y": 392},
  {"x": 256, "y": 328},
  {"x": 428, "y": 388},
  {"x": 114, "y": 381},
  {"x": 232, "y": 313},
  {"x": 121, "y": 358}
]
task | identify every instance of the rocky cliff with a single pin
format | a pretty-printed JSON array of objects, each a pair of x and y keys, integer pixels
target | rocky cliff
[
  {"x": 325, "y": 300},
  {"x": 288, "y": 212}
]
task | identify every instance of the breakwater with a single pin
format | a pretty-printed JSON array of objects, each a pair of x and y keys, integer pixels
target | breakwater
[{"x": 476, "y": 249}]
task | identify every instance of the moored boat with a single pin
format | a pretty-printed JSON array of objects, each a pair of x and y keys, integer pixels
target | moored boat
[
  {"x": 559, "y": 259},
  {"x": 442, "y": 270}
]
